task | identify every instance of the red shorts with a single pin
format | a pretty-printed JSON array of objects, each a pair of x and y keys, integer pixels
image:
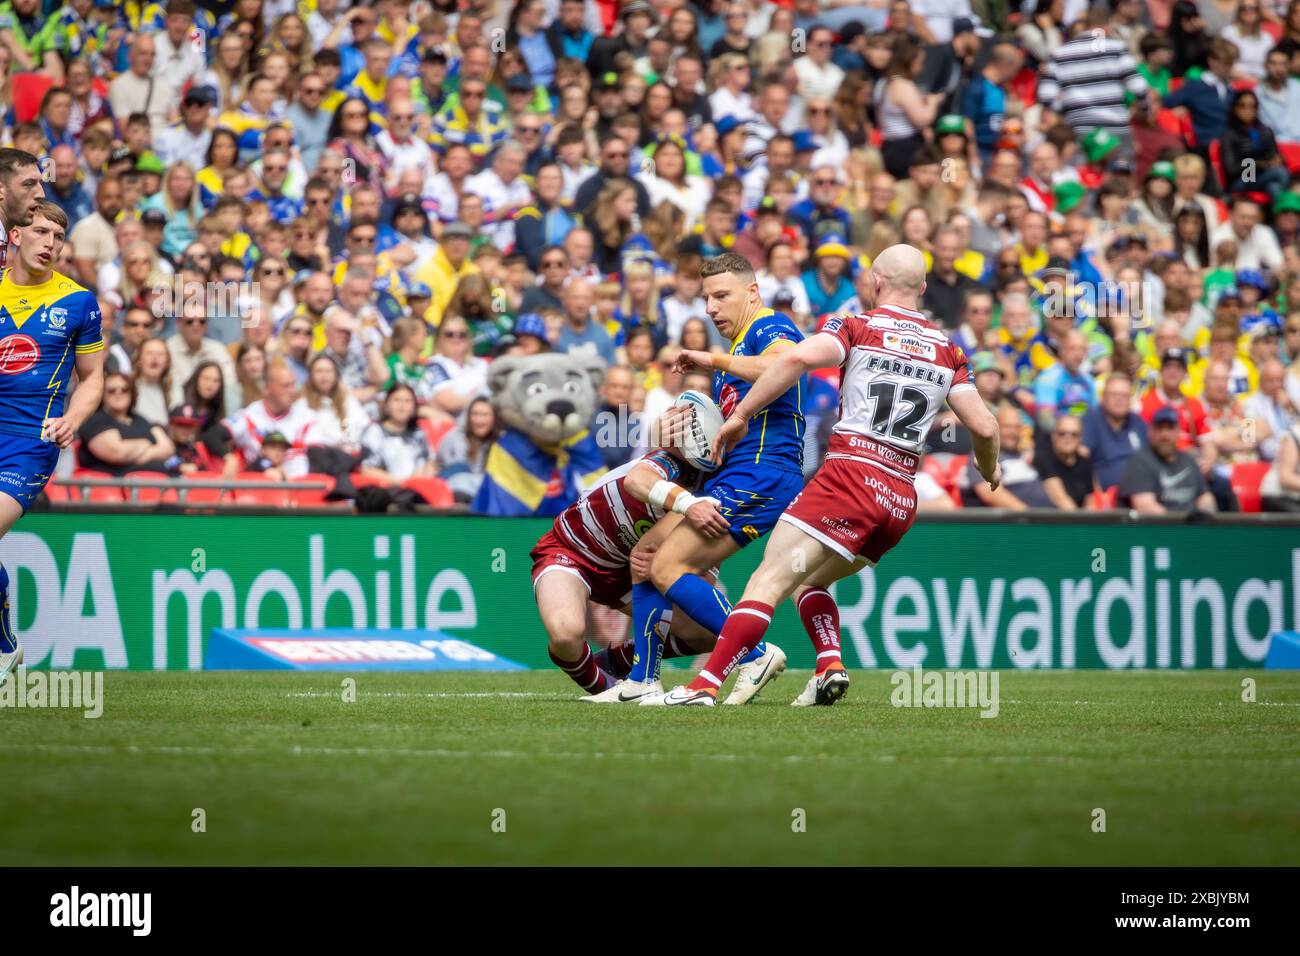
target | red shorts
[
  {"x": 611, "y": 587},
  {"x": 856, "y": 509}
]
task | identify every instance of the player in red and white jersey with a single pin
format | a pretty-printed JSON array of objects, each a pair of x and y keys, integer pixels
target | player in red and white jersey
[
  {"x": 275, "y": 412},
  {"x": 601, "y": 545},
  {"x": 897, "y": 370}
]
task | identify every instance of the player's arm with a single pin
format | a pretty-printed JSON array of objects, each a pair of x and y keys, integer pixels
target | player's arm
[
  {"x": 787, "y": 367},
  {"x": 983, "y": 427},
  {"x": 82, "y": 403},
  {"x": 748, "y": 367},
  {"x": 647, "y": 482}
]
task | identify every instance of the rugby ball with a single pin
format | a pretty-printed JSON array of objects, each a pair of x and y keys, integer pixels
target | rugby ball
[{"x": 701, "y": 429}]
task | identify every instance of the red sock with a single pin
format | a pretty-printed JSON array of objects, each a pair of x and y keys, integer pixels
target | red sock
[
  {"x": 584, "y": 672},
  {"x": 821, "y": 619},
  {"x": 745, "y": 627}
]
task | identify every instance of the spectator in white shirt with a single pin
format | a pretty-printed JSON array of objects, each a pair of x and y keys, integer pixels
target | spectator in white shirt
[
  {"x": 1271, "y": 405},
  {"x": 819, "y": 78},
  {"x": 1257, "y": 246},
  {"x": 340, "y": 419},
  {"x": 730, "y": 74},
  {"x": 1252, "y": 42},
  {"x": 179, "y": 57},
  {"x": 504, "y": 191},
  {"x": 1279, "y": 98}
]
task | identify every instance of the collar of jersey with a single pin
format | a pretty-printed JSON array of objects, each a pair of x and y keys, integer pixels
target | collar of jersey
[{"x": 761, "y": 314}]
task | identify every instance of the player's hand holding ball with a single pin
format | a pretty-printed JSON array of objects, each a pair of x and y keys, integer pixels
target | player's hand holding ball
[{"x": 672, "y": 426}]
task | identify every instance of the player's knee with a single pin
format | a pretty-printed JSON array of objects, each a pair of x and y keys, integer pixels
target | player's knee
[
  {"x": 566, "y": 644},
  {"x": 664, "y": 572}
]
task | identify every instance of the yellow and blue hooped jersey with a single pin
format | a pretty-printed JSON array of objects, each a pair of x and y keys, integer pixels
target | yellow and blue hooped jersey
[
  {"x": 775, "y": 438},
  {"x": 42, "y": 330}
]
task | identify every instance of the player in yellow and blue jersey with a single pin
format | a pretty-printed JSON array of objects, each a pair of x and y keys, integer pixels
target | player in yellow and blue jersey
[
  {"x": 760, "y": 477},
  {"x": 49, "y": 328}
]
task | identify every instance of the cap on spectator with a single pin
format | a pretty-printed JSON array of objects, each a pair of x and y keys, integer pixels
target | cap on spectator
[
  {"x": 153, "y": 217},
  {"x": 106, "y": 4},
  {"x": 832, "y": 244},
  {"x": 726, "y": 125},
  {"x": 150, "y": 163},
  {"x": 530, "y": 323},
  {"x": 804, "y": 142},
  {"x": 951, "y": 124},
  {"x": 185, "y": 415},
  {"x": 1287, "y": 201},
  {"x": 409, "y": 202},
  {"x": 638, "y": 6},
  {"x": 1057, "y": 268},
  {"x": 985, "y": 362},
  {"x": 962, "y": 25},
  {"x": 783, "y": 299},
  {"x": 608, "y": 81},
  {"x": 1119, "y": 167},
  {"x": 275, "y": 438},
  {"x": 1098, "y": 144},
  {"x": 767, "y": 207},
  {"x": 1265, "y": 329},
  {"x": 457, "y": 230},
  {"x": 120, "y": 155},
  {"x": 1253, "y": 278},
  {"x": 519, "y": 83},
  {"x": 1068, "y": 194},
  {"x": 301, "y": 276},
  {"x": 851, "y": 31},
  {"x": 1162, "y": 169},
  {"x": 434, "y": 54},
  {"x": 1174, "y": 355},
  {"x": 418, "y": 290},
  {"x": 1229, "y": 292},
  {"x": 1165, "y": 415},
  {"x": 202, "y": 95}
]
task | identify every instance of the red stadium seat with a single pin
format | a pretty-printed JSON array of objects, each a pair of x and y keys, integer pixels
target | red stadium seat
[
  {"x": 310, "y": 497},
  {"x": 1216, "y": 160},
  {"x": 60, "y": 493},
  {"x": 1025, "y": 85},
  {"x": 275, "y": 497},
  {"x": 1246, "y": 479},
  {"x": 1106, "y": 499},
  {"x": 433, "y": 490},
  {"x": 1290, "y": 153},
  {"x": 147, "y": 495},
  {"x": 95, "y": 494},
  {"x": 435, "y": 431},
  {"x": 28, "y": 91},
  {"x": 365, "y": 481},
  {"x": 203, "y": 496},
  {"x": 955, "y": 469}
]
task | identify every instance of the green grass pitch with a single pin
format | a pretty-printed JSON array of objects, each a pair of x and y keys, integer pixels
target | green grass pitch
[{"x": 417, "y": 768}]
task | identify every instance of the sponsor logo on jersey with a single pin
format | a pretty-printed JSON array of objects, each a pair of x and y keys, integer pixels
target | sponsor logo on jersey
[
  {"x": 908, "y": 345},
  {"x": 728, "y": 399},
  {"x": 751, "y": 532},
  {"x": 18, "y": 353},
  {"x": 833, "y": 324}
]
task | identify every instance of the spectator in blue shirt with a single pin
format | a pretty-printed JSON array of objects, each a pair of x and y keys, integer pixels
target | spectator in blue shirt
[
  {"x": 1112, "y": 432},
  {"x": 1064, "y": 387},
  {"x": 827, "y": 282},
  {"x": 580, "y": 333},
  {"x": 985, "y": 99},
  {"x": 567, "y": 34}
]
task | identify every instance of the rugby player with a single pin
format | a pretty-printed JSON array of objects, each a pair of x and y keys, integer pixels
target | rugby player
[
  {"x": 599, "y": 549},
  {"x": 49, "y": 327},
  {"x": 897, "y": 371}
]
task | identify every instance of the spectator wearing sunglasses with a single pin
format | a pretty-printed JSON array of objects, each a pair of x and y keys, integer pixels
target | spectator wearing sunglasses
[{"x": 191, "y": 345}]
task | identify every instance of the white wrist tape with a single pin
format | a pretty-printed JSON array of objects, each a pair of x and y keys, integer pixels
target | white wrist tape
[
  {"x": 660, "y": 491},
  {"x": 684, "y": 501}
]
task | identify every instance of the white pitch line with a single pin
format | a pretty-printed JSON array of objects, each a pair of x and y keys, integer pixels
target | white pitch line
[{"x": 398, "y": 693}]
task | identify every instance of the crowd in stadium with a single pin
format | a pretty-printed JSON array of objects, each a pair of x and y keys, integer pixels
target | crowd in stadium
[{"x": 311, "y": 226}]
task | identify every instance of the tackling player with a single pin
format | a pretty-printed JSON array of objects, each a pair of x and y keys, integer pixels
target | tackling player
[
  {"x": 898, "y": 369},
  {"x": 761, "y": 475},
  {"x": 600, "y": 546},
  {"x": 49, "y": 326}
]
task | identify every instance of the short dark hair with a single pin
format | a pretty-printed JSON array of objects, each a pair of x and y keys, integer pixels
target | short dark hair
[
  {"x": 12, "y": 160},
  {"x": 732, "y": 263}
]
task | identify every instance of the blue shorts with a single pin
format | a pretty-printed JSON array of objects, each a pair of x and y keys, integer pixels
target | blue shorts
[
  {"x": 752, "y": 497},
  {"x": 25, "y": 466}
]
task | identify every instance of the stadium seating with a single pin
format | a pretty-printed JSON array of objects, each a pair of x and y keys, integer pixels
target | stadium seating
[
  {"x": 1106, "y": 499},
  {"x": 149, "y": 495},
  {"x": 96, "y": 494},
  {"x": 311, "y": 497},
  {"x": 433, "y": 490},
  {"x": 274, "y": 497},
  {"x": 435, "y": 431},
  {"x": 1246, "y": 479},
  {"x": 199, "y": 496}
]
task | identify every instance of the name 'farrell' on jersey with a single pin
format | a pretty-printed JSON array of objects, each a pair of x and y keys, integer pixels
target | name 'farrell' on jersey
[{"x": 898, "y": 370}]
